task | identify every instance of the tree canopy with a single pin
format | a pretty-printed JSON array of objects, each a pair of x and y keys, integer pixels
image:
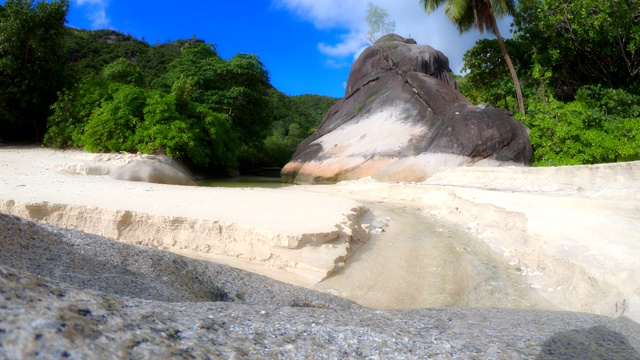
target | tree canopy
[
  {"x": 582, "y": 42},
  {"x": 179, "y": 98},
  {"x": 32, "y": 65},
  {"x": 481, "y": 15},
  {"x": 579, "y": 65},
  {"x": 379, "y": 23}
]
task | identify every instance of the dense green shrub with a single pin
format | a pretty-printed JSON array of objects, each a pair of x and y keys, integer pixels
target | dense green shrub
[
  {"x": 123, "y": 71},
  {"x": 112, "y": 126},
  {"x": 601, "y": 125},
  {"x": 185, "y": 130},
  {"x": 71, "y": 112},
  {"x": 111, "y": 113}
]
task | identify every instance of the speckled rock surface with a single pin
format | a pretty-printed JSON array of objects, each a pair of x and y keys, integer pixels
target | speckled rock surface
[{"x": 66, "y": 294}]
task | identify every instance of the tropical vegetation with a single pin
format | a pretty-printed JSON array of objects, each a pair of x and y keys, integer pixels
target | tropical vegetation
[
  {"x": 577, "y": 64},
  {"x": 104, "y": 91},
  {"x": 481, "y": 15}
]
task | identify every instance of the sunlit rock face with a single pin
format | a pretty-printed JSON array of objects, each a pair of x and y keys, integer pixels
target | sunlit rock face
[{"x": 403, "y": 119}]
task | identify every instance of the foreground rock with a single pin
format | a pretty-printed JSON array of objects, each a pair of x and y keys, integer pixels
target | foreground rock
[
  {"x": 403, "y": 119},
  {"x": 67, "y": 294}
]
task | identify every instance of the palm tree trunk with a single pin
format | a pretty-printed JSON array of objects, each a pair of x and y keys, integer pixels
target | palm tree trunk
[{"x": 507, "y": 58}]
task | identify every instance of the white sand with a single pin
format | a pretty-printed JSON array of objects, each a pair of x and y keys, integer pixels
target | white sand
[
  {"x": 292, "y": 230},
  {"x": 571, "y": 235}
]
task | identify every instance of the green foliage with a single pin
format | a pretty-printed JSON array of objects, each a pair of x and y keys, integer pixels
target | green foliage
[
  {"x": 177, "y": 98},
  {"x": 113, "y": 113},
  {"x": 91, "y": 51},
  {"x": 488, "y": 79},
  {"x": 293, "y": 119},
  {"x": 601, "y": 125},
  {"x": 32, "y": 65},
  {"x": 67, "y": 123},
  {"x": 123, "y": 71},
  {"x": 112, "y": 126},
  {"x": 582, "y": 42},
  {"x": 237, "y": 87},
  {"x": 583, "y": 53},
  {"x": 182, "y": 129},
  {"x": 379, "y": 23}
]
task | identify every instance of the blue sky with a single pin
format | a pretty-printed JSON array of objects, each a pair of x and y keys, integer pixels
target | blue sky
[{"x": 307, "y": 46}]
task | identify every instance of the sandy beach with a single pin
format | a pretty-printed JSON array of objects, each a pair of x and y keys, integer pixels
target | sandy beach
[{"x": 565, "y": 238}]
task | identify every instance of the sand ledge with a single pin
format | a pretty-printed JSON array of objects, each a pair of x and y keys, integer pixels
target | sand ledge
[{"x": 273, "y": 228}]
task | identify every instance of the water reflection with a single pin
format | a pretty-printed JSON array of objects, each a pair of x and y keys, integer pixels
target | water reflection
[{"x": 244, "y": 182}]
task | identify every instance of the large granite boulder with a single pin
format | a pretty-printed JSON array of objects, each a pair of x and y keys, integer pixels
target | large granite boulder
[
  {"x": 157, "y": 169},
  {"x": 403, "y": 119}
]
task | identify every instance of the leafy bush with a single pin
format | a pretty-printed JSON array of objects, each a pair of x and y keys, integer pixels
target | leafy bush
[
  {"x": 123, "y": 71},
  {"x": 600, "y": 126},
  {"x": 112, "y": 126},
  {"x": 71, "y": 112},
  {"x": 186, "y": 131}
]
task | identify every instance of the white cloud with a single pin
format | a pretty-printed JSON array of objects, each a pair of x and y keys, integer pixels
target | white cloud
[
  {"x": 96, "y": 11},
  {"x": 411, "y": 20},
  {"x": 352, "y": 43},
  {"x": 336, "y": 64},
  {"x": 326, "y": 13}
]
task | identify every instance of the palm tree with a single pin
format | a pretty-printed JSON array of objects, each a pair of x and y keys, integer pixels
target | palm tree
[{"x": 481, "y": 14}]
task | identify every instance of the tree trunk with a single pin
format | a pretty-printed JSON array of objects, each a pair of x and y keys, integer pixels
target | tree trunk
[{"x": 507, "y": 58}]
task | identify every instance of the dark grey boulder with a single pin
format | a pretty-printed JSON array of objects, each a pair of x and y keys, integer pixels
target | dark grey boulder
[
  {"x": 403, "y": 119},
  {"x": 67, "y": 294}
]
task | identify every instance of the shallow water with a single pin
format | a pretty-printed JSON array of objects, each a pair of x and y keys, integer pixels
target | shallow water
[
  {"x": 417, "y": 262},
  {"x": 245, "y": 182}
]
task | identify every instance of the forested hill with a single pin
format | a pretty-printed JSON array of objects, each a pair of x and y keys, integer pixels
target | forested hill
[
  {"x": 89, "y": 51},
  {"x": 286, "y": 120},
  {"x": 105, "y": 91}
]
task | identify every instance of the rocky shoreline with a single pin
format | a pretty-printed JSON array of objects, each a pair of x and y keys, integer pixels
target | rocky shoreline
[{"x": 68, "y": 294}]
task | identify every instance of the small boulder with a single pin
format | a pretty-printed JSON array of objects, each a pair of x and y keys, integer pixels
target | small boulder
[{"x": 154, "y": 169}]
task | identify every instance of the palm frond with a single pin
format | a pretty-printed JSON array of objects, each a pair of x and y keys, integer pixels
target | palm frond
[
  {"x": 466, "y": 22},
  {"x": 501, "y": 8},
  {"x": 431, "y": 5},
  {"x": 456, "y": 9}
]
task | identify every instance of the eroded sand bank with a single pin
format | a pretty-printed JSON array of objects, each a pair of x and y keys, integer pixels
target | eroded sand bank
[
  {"x": 552, "y": 238},
  {"x": 299, "y": 232}
]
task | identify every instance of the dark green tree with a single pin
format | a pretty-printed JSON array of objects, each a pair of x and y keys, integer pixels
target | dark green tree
[
  {"x": 123, "y": 71},
  {"x": 487, "y": 79},
  {"x": 582, "y": 42},
  {"x": 237, "y": 87},
  {"x": 32, "y": 65},
  {"x": 481, "y": 15}
]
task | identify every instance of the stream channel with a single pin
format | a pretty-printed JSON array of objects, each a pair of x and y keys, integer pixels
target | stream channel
[{"x": 417, "y": 262}]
